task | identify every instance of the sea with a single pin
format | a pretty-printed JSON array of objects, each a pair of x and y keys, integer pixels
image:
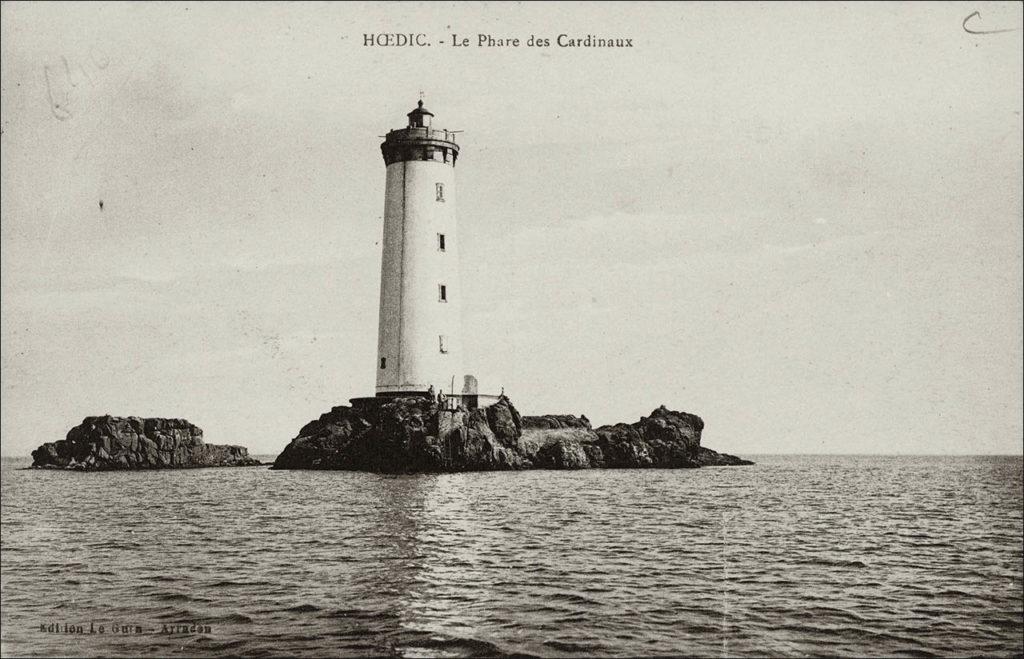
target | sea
[{"x": 794, "y": 556}]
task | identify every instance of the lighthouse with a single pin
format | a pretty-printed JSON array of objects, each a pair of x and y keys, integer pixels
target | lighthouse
[{"x": 419, "y": 346}]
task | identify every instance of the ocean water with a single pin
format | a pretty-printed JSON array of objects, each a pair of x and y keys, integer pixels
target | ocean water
[{"x": 798, "y": 555}]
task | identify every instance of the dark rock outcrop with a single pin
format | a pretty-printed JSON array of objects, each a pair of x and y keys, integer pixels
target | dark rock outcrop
[
  {"x": 400, "y": 435},
  {"x": 708, "y": 458},
  {"x": 407, "y": 435},
  {"x": 112, "y": 442}
]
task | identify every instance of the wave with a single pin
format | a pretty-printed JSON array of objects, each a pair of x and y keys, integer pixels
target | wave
[{"x": 652, "y": 563}]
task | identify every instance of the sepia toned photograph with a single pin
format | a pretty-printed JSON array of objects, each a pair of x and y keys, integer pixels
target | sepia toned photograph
[{"x": 568, "y": 329}]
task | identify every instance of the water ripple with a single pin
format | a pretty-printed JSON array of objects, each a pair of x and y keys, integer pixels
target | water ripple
[{"x": 795, "y": 556}]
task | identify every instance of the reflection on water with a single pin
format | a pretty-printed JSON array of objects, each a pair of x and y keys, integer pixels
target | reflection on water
[{"x": 795, "y": 556}]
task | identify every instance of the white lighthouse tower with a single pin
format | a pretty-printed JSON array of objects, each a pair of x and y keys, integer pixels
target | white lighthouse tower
[{"x": 419, "y": 344}]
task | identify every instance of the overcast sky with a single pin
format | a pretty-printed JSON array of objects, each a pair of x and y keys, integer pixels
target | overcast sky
[{"x": 801, "y": 222}]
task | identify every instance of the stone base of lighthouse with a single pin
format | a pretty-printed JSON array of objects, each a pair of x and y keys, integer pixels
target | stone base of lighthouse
[{"x": 465, "y": 400}]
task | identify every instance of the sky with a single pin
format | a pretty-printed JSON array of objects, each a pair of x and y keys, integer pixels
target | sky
[{"x": 802, "y": 222}]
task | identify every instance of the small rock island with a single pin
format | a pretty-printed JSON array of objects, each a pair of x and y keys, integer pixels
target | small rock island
[
  {"x": 108, "y": 443},
  {"x": 417, "y": 434}
]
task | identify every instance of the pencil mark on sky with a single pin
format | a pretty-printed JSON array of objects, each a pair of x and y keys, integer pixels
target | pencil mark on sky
[
  {"x": 59, "y": 88},
  {"x": 59, "y": 109},
  {"x": 978, "y": 14}
]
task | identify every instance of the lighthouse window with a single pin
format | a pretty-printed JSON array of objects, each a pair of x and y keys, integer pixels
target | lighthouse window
[
  {"x": 440, "y": 241},
  {"x": 443, "y": 340},
  {"x": 383, "y": 362},
  {"x": 440, "y": 191},
  {"x": 442, "y": 293}
]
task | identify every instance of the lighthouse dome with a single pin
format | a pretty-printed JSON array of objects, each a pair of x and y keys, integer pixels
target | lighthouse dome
[{"x": 420, "y": 117}]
